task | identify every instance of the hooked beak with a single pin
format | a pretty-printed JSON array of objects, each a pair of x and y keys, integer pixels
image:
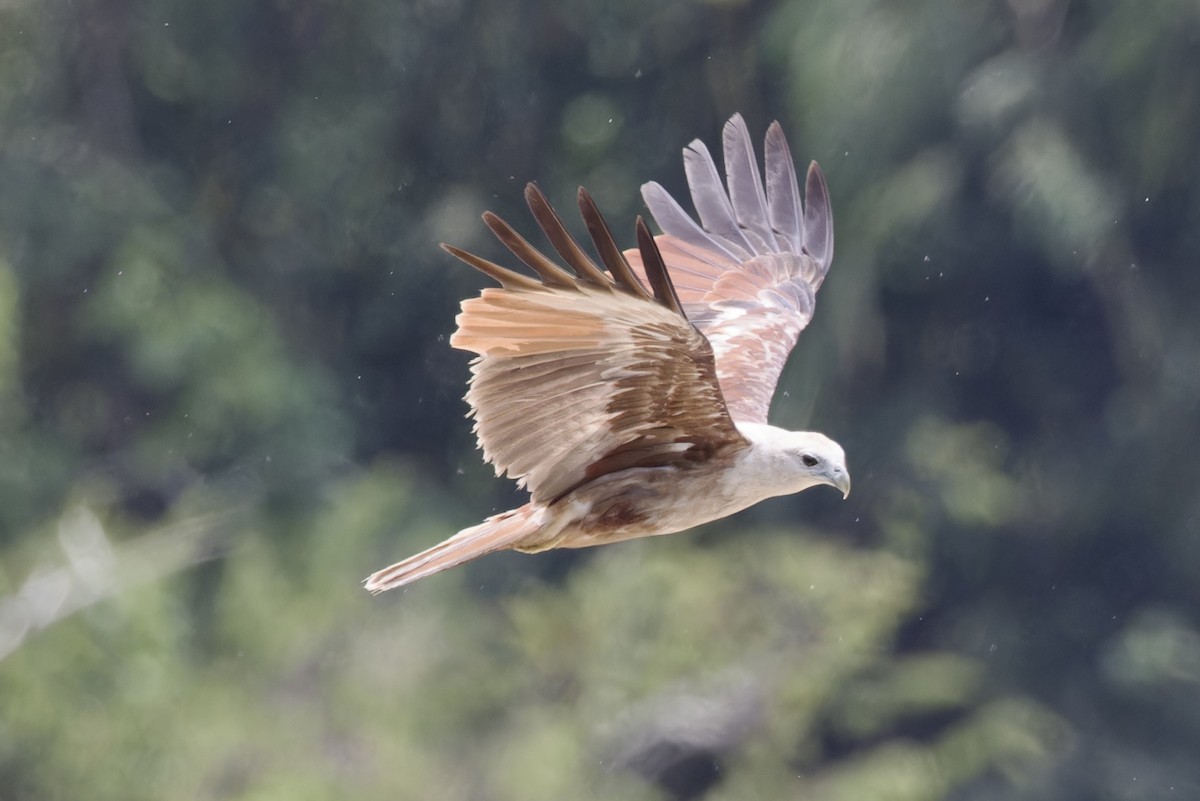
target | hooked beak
[{"x": 840, "y": 478}]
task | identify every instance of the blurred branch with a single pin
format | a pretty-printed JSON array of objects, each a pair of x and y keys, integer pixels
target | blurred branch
[{"x": 97, "y": 571}]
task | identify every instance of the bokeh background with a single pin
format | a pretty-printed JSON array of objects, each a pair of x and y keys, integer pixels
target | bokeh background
[{"x": 226, "y": 395}]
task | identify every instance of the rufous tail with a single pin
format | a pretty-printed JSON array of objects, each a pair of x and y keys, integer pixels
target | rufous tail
[{"x": 497, "y": 533}]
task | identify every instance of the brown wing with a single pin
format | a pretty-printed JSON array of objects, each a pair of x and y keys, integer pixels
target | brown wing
[
  {"x": 587, "y": 373},
  {"x": 748, "y": 273}
]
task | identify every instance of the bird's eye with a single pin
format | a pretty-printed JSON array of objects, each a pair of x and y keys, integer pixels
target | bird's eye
[{"x": 809, "y": 460}]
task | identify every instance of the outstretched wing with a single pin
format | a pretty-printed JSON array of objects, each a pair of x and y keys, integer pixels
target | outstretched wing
[
  {"x": 585, "y": 373},
  {"x": 748, "y": 273}
]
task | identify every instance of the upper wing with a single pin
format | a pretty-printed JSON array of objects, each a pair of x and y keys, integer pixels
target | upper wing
[
  {"x": 748, "y": 273},
  {"x": 584, "y": 374}
]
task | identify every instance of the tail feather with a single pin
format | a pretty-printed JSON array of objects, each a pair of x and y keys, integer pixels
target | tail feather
[{"x": 497, "y": 533}]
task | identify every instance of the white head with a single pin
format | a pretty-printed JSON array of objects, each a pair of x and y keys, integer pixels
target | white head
[{"x": 796, "y": 460}]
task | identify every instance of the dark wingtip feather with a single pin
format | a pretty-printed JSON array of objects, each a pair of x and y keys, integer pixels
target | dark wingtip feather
[
  {"x": 606, "y": 246},
  {"x": 506, "y": 277},
  {"x": 562, "y": 241},
  {"x": 550, "y": 273},
  {"x": 656, "y": 270}
]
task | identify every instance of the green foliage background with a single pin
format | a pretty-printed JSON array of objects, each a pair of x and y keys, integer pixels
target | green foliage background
[{"x": 226, "y": 396}]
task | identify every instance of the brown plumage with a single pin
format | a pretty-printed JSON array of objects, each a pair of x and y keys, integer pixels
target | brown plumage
[
  {"x": 600, "y": 396},
  {"x": 569, "y": 381}
]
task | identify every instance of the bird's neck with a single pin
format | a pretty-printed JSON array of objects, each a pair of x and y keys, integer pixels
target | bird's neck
[{"x": 767, "y": 468}]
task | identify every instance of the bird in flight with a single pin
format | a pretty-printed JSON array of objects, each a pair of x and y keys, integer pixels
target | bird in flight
[{"x": 631, "y": 399}]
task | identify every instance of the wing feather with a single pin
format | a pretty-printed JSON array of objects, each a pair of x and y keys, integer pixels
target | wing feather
[
  {"x": 710, "y": 199},
  {"x": 552, "y": 225},
  {"x": 581, "y": 375},
  {"x": 818, "y": 220},
  {"x": 746, "y": 193},
  {"x": 670, "y": 216},
  {"x": 784, "y": 206},
  {"x": 748, "y": 273}
]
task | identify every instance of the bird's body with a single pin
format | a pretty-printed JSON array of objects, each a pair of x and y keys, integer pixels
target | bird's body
[{"x": 633, "y": 413}]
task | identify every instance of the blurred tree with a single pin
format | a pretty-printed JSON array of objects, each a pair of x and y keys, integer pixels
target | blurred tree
[{"x": 225, "y": 394}]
